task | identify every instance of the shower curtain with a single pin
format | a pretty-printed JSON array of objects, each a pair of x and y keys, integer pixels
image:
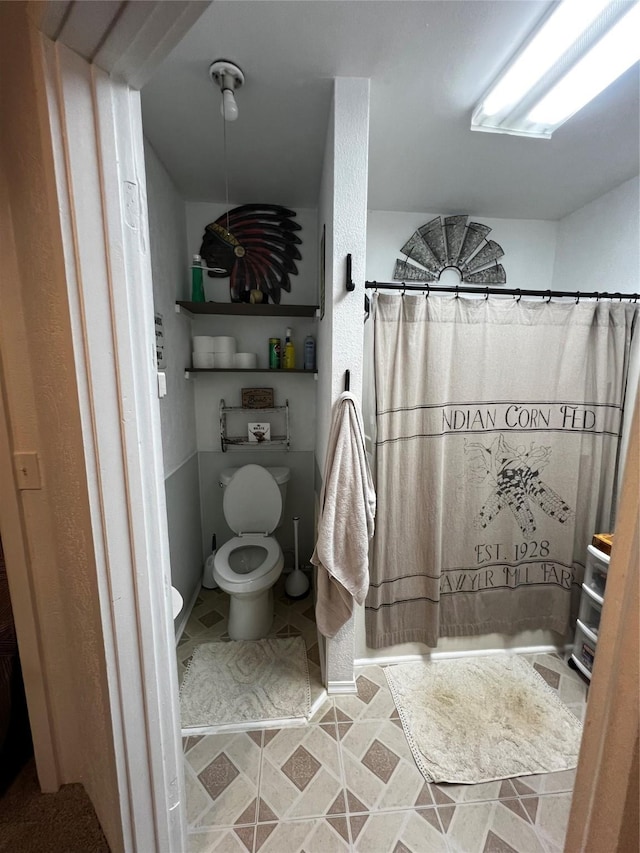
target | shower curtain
[{"x": 498, "y": 425}]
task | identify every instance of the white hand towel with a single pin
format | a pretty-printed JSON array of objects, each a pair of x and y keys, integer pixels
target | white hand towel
[{"x": 348, "y": 506}]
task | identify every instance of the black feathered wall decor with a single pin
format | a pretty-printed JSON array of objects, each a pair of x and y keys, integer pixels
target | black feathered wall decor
[{"x": 256, "y": 245}]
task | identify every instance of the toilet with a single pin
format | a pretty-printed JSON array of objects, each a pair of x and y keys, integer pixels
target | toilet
[{"x": 248, "y": 565}]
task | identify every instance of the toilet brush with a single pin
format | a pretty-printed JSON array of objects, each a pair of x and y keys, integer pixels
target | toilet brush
[{"x": 297, "y": 584}]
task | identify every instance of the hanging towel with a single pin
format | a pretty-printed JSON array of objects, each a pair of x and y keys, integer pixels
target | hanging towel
[{"x": 347, "y": 512}]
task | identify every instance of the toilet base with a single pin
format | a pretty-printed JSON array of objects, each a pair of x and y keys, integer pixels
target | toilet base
[{"x": 251, "y": 615}]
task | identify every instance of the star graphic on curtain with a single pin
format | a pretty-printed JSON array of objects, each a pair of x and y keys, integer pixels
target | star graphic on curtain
[{"x": 514, "y": 473}]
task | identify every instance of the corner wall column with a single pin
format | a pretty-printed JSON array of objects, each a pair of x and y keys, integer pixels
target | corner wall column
[{"x": 343, "y": 211}]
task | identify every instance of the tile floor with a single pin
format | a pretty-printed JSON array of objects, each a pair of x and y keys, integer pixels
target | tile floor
[{"x": 348, "y": 782}]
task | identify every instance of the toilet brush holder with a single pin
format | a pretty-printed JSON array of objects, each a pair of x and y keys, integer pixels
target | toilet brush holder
[
  {"x": 208, "y": 581},
  {"x": 297, "y": 584}
]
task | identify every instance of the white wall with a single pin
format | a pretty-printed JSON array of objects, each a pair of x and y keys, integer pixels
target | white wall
[
  {"x": 324, "y": 355},
  {"x": 170, "y": 265},
  {"x": 598, "y": 245},
  {"x": 529, "y": 245},
  {"x": 599, "y": 250}
]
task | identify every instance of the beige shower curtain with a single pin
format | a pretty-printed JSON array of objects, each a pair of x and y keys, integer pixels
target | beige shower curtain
[{"x": 498, "y": 424}]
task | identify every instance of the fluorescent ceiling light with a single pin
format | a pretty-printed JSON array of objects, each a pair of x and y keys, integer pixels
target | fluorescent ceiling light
[
  {"x": 616, "y": 51},
  {"x": 531, "y": 97},
  {"x": 557, "y": 35}
]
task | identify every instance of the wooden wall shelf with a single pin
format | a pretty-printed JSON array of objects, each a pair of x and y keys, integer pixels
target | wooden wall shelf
[{"x": 245, "y": 309}]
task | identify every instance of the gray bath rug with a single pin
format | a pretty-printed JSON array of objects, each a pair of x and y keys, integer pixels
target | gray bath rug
[
  {"x": 473, "y": 720},
  {"x": 244, "y": 681}
]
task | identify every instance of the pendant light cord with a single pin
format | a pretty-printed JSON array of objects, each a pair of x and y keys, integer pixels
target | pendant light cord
[{"x": 224, "y": 163}]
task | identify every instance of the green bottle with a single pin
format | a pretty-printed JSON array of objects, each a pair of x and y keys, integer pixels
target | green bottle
[{"x": 197, "y": 286}]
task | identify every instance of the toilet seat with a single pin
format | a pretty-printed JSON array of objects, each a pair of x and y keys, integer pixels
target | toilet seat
[{"x": 272, "y": 558}]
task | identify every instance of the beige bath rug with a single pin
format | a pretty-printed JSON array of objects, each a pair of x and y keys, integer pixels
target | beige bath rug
[
  {"x": 244, "y": 681},
  {"x": 477, "y": 719}
]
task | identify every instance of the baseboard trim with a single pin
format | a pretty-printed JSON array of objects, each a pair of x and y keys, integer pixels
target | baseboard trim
[
  {"x": 338, "y": 687},
  {"x": 385, "y": 660},
  {"x": 186, "y": 612}
]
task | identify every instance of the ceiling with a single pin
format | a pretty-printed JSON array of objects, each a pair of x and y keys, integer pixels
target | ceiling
[{"x": 429, "y": 63}]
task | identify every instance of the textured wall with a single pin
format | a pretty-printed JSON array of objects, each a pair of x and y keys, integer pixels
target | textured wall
[
  {"x": 171, "y": 281},
  {"x": 598, "y": 246},
  {"x": 170, "y": 264},
  {"x": 343, "y": 207}
]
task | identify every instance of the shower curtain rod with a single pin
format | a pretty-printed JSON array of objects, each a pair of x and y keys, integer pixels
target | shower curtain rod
[{"x": 497, "y": 291}]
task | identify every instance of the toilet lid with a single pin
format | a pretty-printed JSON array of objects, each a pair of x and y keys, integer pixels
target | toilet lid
[{"x": 252, "y": 501}]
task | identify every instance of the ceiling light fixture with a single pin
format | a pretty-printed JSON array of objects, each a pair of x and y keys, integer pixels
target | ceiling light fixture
[
  {"x": 228, "y": 77},
  {"x": 580, "y": 48}
]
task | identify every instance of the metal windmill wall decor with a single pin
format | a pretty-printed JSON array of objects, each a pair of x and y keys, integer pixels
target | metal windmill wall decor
[
  {"x": 456, "y": 244},
  {"x": 256, "y": 247}
]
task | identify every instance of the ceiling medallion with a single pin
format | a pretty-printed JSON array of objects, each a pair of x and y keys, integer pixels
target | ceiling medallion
[{"x": 455, "y": 244}]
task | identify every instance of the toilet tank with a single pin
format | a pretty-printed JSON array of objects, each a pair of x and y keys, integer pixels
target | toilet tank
[{"x": 279, "y": 473}]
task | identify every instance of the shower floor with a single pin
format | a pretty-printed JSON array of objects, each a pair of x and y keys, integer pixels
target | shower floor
[{"x": 209, "y": 618}]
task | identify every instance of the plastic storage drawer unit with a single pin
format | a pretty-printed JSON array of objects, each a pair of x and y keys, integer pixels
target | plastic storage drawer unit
[
  {"x": 584, "y": 650},
  {"x": 588, "y": 623},
  {"x": 590, "y": 611},
  {"x": 595, "y": 573}
]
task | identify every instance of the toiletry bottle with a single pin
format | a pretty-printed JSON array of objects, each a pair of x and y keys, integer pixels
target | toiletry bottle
[
  {"x": 309, "y": 353},
  {"x": 197, "y": 286},
  {"x": 289, "y": 359}
]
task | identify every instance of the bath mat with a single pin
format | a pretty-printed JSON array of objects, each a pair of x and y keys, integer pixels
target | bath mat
[
  {"x": 478, "y": 719},
  {"x": 245, "y": 681}
]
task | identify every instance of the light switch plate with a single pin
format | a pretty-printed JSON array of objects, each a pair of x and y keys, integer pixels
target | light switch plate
[{"x": 27, "y": 470}]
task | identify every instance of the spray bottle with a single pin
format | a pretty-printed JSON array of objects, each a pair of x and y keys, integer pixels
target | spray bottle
[
  {"x": 289, "y": 358},
  {"x": 197, "y": 285}
]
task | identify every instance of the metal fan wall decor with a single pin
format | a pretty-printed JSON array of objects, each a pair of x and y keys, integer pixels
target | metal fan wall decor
[
  {"x": 454, "y": 244},
  {"x": 256, "y": 246}
]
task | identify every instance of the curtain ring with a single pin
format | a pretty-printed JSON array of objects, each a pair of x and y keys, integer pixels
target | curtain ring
[
  {"x": 486, "y": 293},
  {"x": 404, "y": 288},
  {"x": 597, "y": 297},
  {"x": 426, "y": 296},
  {"x": 519, "y": 295},
  {"x": 457, "y": 292},
  {"x": 549, "y": 299},
  {"x": 577, "y": 297},
  {"x": 375, "y": 286}
]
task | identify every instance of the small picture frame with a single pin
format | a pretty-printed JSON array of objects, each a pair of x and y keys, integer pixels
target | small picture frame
[
  {"x": 259, "y": 432},
  {"x": 257, "y": 398}
]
